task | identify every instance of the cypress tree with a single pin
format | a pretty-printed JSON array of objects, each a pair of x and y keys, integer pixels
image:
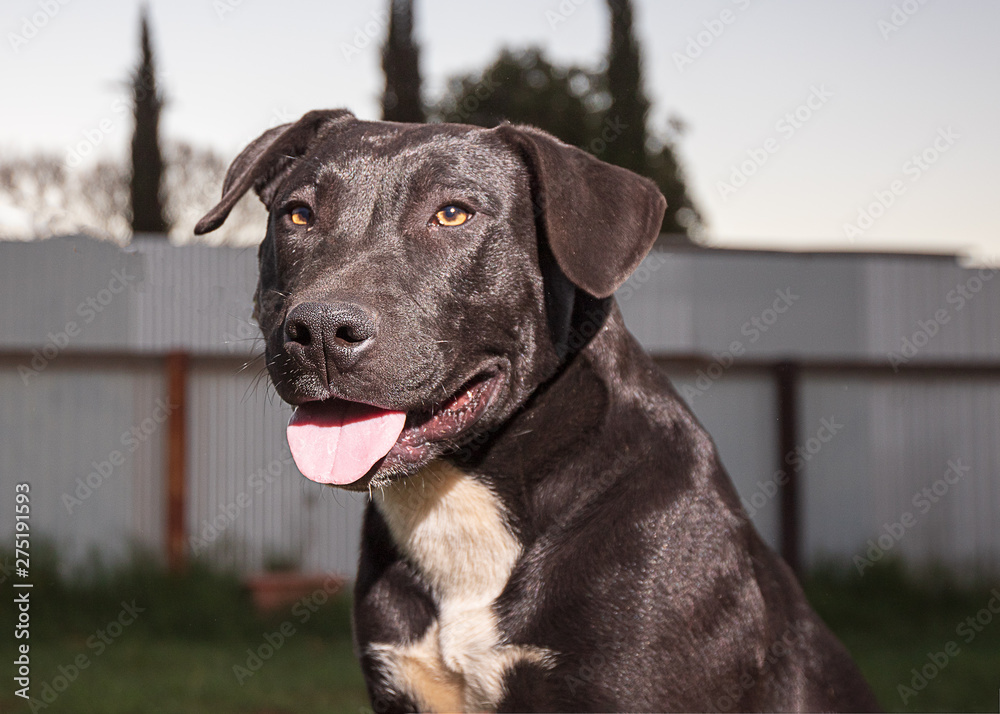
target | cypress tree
[
  {"x": 147, "y": 161},
  {"x": 401, "y": 65},
  {"x": 628, "y": 113},
  {"x": 629, "y": 105}
]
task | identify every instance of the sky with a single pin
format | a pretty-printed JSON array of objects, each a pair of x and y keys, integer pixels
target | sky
[{"x": 827, "y": 124}]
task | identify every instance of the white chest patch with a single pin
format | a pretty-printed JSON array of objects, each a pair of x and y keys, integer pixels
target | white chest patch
[{"x": 451, "y": 527}]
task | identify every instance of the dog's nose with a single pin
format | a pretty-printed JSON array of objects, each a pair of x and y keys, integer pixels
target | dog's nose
[{"x": 329, "y": 332}]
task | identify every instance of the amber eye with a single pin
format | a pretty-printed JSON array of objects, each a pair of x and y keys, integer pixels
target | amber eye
[
  {"x": 451, "y": 216},
  {"x": 301, "y": 216}
]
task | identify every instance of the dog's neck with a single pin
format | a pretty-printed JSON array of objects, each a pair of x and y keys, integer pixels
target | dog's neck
[
  {"x": 475, "y": 558},
  {"x": 548, "y": 443},
  {"x": 573, "y": 316}
]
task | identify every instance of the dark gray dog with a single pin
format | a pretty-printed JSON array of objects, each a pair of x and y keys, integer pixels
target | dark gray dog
[{"x": 550, "y": 527}]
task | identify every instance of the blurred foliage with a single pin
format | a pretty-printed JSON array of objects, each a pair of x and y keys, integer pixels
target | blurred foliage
[
  {"x": 574, "y": 104},
  {"x": 203, "y": 603},
  {"x": 42, "y": 196}
]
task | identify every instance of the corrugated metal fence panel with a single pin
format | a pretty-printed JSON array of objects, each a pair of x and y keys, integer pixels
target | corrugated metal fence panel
[
  {"x": 196, "y": 298},
  {"x": 752, "y": 304},
  {"x": 740, "y": 412},
  {"x": 900, "y": 435},
  {"x": 837, "y": 482},
  {"x": 656, "y": 303},
  {"x": 89, "y": 439},
  {"x": 66, "y": 294},
  {"x": 922, "y": 430},
  {"x": 249, "y": 506},
  {"x": 779, "y": 305},
  {"x": 942, "y": 309}
]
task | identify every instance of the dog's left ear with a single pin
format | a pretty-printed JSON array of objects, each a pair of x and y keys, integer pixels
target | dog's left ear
[{"x": 600, "y": 220}]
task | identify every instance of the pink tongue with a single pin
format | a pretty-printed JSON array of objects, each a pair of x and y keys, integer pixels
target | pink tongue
[{"x": 338, "y": 442}]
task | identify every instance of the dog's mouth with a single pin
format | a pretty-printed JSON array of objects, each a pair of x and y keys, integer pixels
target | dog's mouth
[{"x": 339, "y": 442}]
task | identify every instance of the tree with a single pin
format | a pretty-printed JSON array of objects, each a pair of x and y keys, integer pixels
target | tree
[
  {"x": 629, "y": 106},
  {"x": 636, "y": 148},
  {"x": 401, "y": 65},
  {"x": 525, "y": 88},
  {"x": 40, "y": 197},
  {"x": 191, "y": 183},
  {"x": 576, "y": 105},
  {"x": 145, "y": 185}
]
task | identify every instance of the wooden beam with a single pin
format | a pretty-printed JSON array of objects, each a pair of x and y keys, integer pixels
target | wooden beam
[
  {"x": 787, "y": 387},
  {"x": 177, "y": 382}
]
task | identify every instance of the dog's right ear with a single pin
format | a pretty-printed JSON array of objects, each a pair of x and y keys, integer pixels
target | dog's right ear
[{"x": 267, "y": 159}]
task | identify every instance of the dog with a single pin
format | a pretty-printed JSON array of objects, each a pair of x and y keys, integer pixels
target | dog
[{"x": 550, "y": 528}]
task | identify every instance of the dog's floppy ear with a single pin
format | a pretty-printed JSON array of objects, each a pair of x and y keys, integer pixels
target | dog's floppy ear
[
  {"x": 600, "y": 220},
  {"x": 266, "y": 159}
]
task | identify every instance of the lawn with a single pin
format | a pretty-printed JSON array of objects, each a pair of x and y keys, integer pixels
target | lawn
[
  {"x": 169, "y": 676},
  {"x": 152, "y": 643},
  {"x": 893, "y": 624}
]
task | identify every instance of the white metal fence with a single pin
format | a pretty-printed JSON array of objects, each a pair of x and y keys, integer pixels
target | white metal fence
[{"x": 80, "y": 414}]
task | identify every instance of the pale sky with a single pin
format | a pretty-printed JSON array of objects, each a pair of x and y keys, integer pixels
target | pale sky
[{"x": 873, "y": 84}]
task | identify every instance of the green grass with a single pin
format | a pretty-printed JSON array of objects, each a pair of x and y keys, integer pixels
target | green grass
[
  {"x": 890, "y": 621},
  {"x": 179, "y": 654},
  {"x": 167, "y": 676}
]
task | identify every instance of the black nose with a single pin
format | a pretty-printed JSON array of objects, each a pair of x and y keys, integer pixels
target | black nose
[{"x": 325, "y": 333}]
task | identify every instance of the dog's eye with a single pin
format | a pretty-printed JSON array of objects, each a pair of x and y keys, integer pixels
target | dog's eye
[
  {"x": 451, "y": 216},
  {"x": 301, "y": 216}
]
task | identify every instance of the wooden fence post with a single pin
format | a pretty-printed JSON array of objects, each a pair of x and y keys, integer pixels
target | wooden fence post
[
  {"x": 177, "y": 380},
  {"x": 787, "y": 382}
]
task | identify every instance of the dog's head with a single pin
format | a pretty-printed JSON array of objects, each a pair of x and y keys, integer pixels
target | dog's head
[{"x": 417, "y": 282}]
